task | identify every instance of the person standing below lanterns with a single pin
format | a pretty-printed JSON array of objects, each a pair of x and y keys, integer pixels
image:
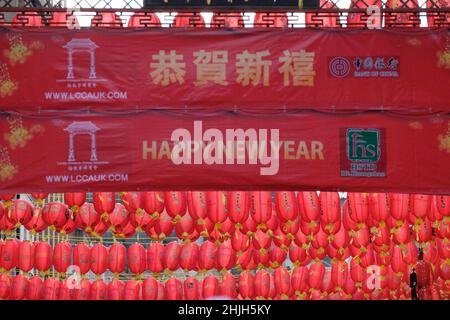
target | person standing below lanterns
[
  {"x": 424, "y": 277},
  {"x": 413, "y": 284}
]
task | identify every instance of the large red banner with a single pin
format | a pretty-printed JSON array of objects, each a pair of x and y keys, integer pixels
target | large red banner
[
  {"x": 176, "y": 150},
  {"x": 56, "y": 68}
]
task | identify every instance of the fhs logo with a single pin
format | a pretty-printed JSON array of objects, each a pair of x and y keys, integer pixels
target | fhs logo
[{"x": 363, "y": 145}]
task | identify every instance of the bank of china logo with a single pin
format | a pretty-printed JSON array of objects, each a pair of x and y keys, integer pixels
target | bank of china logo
[
  {"x": 363, "y": 145},
  {"x": 339, "y": 67}
]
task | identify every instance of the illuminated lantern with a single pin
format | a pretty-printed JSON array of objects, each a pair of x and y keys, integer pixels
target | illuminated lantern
[
  {"x": 238, "y": 207},
  {"x": 99, "y": 290},
  {"x": 379, "y": 207},
  {"x": 155, "y": 255},
  {"x": 118, "y": 218},
  {"x": 400, "y": 206},
  {"x": 163, "y": 226},
  {"x": 20, "y": 212},
  {"x": 245, "y": 285},
  {"x": 36, "y": 223},
  {"x": 330, "y": 209},
  {"x": 339, "y": 274},
  {"x": 173, "y": 289},
  {"x": 443, "y": 205},
  {"x": 75, "y": 200},
  {"x": 185, "y": 227},
  {"x": 99, "y": 259},
  {"x": 298, "y": 255},
  {"x": 286, "y": 205},
  {"x": 104, "y": 203},
  {"x": 116, "y": 258},
  {"x": 196, "y": 201},
  {"x": 210, "y": 287},
  {"x": 55, "y": 214},
  {"x": 249, "y": 226},
  {"x": 189, "y": 256},
  {"x": 227, "y": 20},
  {"x": 150, "y": 289},
  {"x": 282, "y": 280},
  {"x": 226, "y": 256},
  {"x": 282, "y": 240},
  {"x": 261, "y": 207},
  {"x": 62, "y": 256},
  {"x": 42, "y": 256},
  {"x": 116, "y": 289},
  {"x": 19, "y": 287},
  {"x": 227, "y": 286},
  {"x": 175, "y": 203},
  {"x": 136, "y": 258},
  {"x": 276, "y": 256},
  {"x": 402, "y": 235},
  {"x": 207, "y": 256},
  {"x": 171, "y": 258},
  {"x": 191, "y": 288},
  {"x": 51, "y": 289},
  {"x": 82, "y": 257},
  {"x": 132, "y": 290},
  {"x": 39, "y": 197},
  {"x": 299, "y": 282},
  {"x": 309, "y": 206},
  {"x": 261, "y": 240},
  {"x": 261, "y": 284},
  {"x": 25, "y": 256},
  {"x": 239, "y": 241},
  {"x": 84, "y": 291},
  {"x": 87, "y": 217},
  {"x": 35, "y": 288},
  {"x": 69, "y": 227}
]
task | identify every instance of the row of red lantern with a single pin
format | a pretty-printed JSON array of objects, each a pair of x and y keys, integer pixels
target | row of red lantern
[{"x": 302, "y": 283}]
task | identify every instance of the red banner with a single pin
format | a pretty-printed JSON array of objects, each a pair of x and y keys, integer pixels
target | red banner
[
  {"x": 53, "y": 68},
  {"x": 171, "y": 150}
]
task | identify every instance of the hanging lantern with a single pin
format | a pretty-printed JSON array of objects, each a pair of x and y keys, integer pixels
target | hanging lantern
[
  {"x": 309, "y": 206},
  {"x": 421, "y": 205},
  {"x": 397, "y": 262},
  {"x": 300, "y": 282},
  {"x": 171, "y": 258},
  {"x": 347, "y": 221},
  {"x": 42, "y": 257},
  {"x": 6, "y": 226},
  {"x": 2, "y": 210},
  {"x": 207, "y": 256},
  {"x": 261, "y": 284},
  {"x": 330, "y": 209},
  {"x": 84, "y": 291},
  {"x": 62, "y": 256},
  {"x": 286, "y": 205},
  {"x": 7, "y": 197},
  {"x": 51, "y": 289},
  {"x": 443, "y": 205},
  {"x": 82, "y": 257},
  {"x": 379, "y": 207},
  {"x": 328, "y": 285},
  {"x": 217, "y": 203},
  {"x": 19, "y": 287},
  {"x": 153, "y": 203},
  {"x": 261, "y": 240},
  {"x": 175, "y": 203},
  {"x": 8, "y": 254},
  {"x": 163, "y": 226},
  {"x": 316, "y": 274},
  {"x": 5, "y": 286},
  {"x": 444, "y": 269},
  {"x": 36, "y": 223},
  {"x": 191, "y": 288},
  {"x": 75, "y": 200},
  {"x": 239, "y": 241},
  {"x": 136, "y": 258},
  {"x": 238, "y": 207},
  {"x": 126, "y": 232},
  {"x": 39, "y": 198},
  {"x": 150, "y": 289},
  {"x": 35, "y": 288},
  {"x": 226, "y": 256},
  {"x": 402, "y": 235},
  {"x": 196, "y": 201},
  {"x": 87, "y": 217},
  {"x": 226, "y": 229},
  {"x": 185, "y": 227},
  {"x": 276, "y": 256},
  {"x": 99, "y": 230},
  {"x": 204, "y": 226},
  {"x": 25, "y": 256},
  {"x": 161, "y": 291},
  {"x": 246, "y": 285},
  {"x": 20, "y": 212},
  {"x": 361, "y": 237},
  {"x": 272, "y": 289},
  {"x": 132, "y": 290},
  {"x": 99, "y": 289},
  {"x": 320, "y": 243},
  {"x": 359, "y": 205},
  {"x": 116, "y": 258},
  {"x": 173, "y": 289},
  {"x": 69, "y": 227},
  {"x": 339, "y": 274},
  {"x": 65, "y": 290},
  {"x": 227, "y": 286},
  {"x": 249, "y": 226},
  {"x": 55, "y": 214},
  {"x": 116, "y": 289},
  {"x": 290, "y": 228},
  {"x": 99, "y": 260},
  {"x": 104, "y": 203},
  {"x": 118, "y": 218},
  {"x": 282, "y": 240},
  {"x": 400, "y": 206},
  {"x": 442, "y": 229},
  {"x": 261, "y": 258},
  {"x": 298, "y": 255},
  {"x": 210, "y": 287},
  {"x": 245, "y": 260},
  {"x": 282, "y": 281},
  {"x": 381, "y": 237},
  {"x": 155, "y": 255},
  {"x": 261, "y": 207},
  {"x": 189, "y": 256}
]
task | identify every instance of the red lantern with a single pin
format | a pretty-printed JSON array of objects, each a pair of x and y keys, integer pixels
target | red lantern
[
  {"x": 397, "y": 262},
  {"x": 136, "y": 258},
  {"x": 185, "y": 227},
  {"x": 227, "y": 286},
  {"x": 309, "y": 206},
  {"x": 55, "y": 214},
  {"x": 245, "y": 259},
  {"x": 245, "y": 285},
  {"x": 357, "y": 272},
  {"x": 359, "y": 205},
  {"x": 175, "y": 202},
  {"x": 276, "y": 256},
  {"x": 443, "y": 205},
  {"x": 132, "y": 290},
  {"x": 84, "y": 290},
  {"x": 82, "y": 257},
  {"x": 298, "y": 255},
  {"x": 339, "y": 274},
  {"x": 8, "y": 254},
  {"x": 189, "y": 256},
  {"x": 226, "y": 229},
  {"x": 153, "y": 203},
  {"x": 155, "y": 255},
  {"x": 25, "y": 256},
  {"x": 118, "y": 218},
  {"x": 316, "y": 274},
  {"x": 239, "y": 241},
  {"x": 361, "y": 237},
  {"x": 249, "y": 227},
  {"x": 36, "y": 223},
  {"x": 19, "y": 287},
  {"x": 138, "y": 217},
  {"x": 204, "y": 227},
  {"x": 261, "y": 240},
  {"x": 300, "y": 282},
  {"x": 87, "y": 217},
  {"x": 226, "y": 256},
  {"x": 7, "y": 196},
  {"x": 5, "y": 286},
  {"x": 382, "y": 237},
  {"x": 65, "y": 290},
  {"x": 104, "y": 203},
  {"x": 379, "y": 207},
  {"x": 290, "y": 228},
  {"x": 217, "y": 202},
  {"x": 62, "y": 256},
  {"x": 75, "y": 200},
  {"x": 116, "y": 258},
  {"x": 238, "y": 207},
  {"x": 35, "y": 288},
  {"x": 126, "y": 232},
  {"x": 20, "y": 212},
  {"x": 191, "y": 288},
  {"x": 39, "y": 197},
  {"x": 99, "y": 230},
  {"x": 210, "y": 287},
  {"x": 402, "y": 235},
  {"x": 51, "y": 289},
  {"x": 421, "y": 205},
  {"x": 207, "y": 256},
  {"x": 400, "y": 206},
  {"x": 42, "y": 256},
  {"x": 347, "y": 221},
  {"x": 282, "y": 240},
  {"x": 99, "y": 289},
  {"x": 197, "y": 205},
  {"x": 286, "y": 205},
  {"x": 328, "y": 285},
  {"x": 330, "y": 209},
  {"x": 444, "y": 269},
  {"x": 150, "y": 289},
  {"x": 99, "y": 259},
  {"x": 116, "y": 290},
  {"x": 161, "y": 291},
  {"x": 173, "y": 289},
  {"x": 261, "y": 284},
  {"x": 261, "y": 207},
  {"x": 282, "y": 280},
  {"x": 423, "y": 231},
  {"x": 69, "y": 227},
  {"x": 163, "y": 226},
  {"x": 171, "y": 259}
]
